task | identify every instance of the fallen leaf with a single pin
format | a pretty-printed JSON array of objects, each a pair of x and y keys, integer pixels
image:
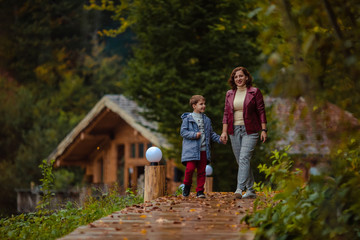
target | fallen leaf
[
  {"x": 143, "y": 231},
  {"x": 143, "y": 216},
  {"x": 160, "y": 220},
  {"x": 92, "y": 225}
]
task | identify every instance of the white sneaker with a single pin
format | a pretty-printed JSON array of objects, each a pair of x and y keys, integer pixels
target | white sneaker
[
  {"x": 238, "y": 193},
  {"x": 249, "y": 194}
]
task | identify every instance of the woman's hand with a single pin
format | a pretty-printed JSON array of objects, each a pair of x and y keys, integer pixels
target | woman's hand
[
  {"x": 224, "y": 137},
  {"x": 263, "y": 136}
]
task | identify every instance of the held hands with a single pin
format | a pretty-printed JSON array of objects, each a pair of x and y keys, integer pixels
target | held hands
[
  {"x": 224, "y": 137},
  {"x": 198, "y": 135}
]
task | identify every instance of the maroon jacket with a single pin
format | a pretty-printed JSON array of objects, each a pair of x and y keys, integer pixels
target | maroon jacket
[{"x": 254, "y": 110}]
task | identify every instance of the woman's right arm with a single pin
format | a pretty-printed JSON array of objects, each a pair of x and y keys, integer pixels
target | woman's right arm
[{"x": 224, "y": 136}]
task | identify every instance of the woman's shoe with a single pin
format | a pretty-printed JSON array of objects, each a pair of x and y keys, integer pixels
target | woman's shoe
[
  {"x": 238, "y": 193},
  {"x": 249, "y": 194}
]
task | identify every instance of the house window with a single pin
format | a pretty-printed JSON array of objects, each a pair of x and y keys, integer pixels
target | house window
[
  {"x": 141, "y": 150},
  {"x": 133, "y": 150},
  {"x": 149, "y": 145}
]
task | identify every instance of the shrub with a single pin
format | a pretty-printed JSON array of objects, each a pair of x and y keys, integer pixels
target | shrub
[
  {"x": 327, "y": 207},
  {"x": 54, "y": 224},
  {"x": 49, "y": 224}
]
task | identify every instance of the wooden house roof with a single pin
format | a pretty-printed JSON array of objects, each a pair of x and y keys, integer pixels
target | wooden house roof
[
  {"x": 99, "y": 124},
  {"x": 309, "y": 131}
]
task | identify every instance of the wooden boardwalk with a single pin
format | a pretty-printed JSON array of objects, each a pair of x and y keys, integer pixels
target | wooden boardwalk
[{"x": 215, "y": 217}]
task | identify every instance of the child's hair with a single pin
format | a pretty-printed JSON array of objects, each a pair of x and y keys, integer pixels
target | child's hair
[{"x": 195, "y": 99}]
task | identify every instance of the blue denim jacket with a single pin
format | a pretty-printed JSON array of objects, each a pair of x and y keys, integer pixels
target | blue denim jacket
[{"x": 191, "y": 145}]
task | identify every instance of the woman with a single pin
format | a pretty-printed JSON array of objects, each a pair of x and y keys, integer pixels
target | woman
[{"x": 244, "y": 117}]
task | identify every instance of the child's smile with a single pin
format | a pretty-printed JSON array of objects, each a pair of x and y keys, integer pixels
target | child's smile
[{"x": 199, "y": 107}]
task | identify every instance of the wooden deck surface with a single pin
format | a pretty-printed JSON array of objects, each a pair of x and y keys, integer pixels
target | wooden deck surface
[{"x": 174, "y": 217}]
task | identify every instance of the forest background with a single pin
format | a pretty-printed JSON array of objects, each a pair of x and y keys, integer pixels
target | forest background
[{"x": 58, "y": 58}]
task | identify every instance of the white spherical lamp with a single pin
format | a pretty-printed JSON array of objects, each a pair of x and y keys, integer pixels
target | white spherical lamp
[
  {"x": 153, "y": 155},
  {"x": 208, "y": 170}
]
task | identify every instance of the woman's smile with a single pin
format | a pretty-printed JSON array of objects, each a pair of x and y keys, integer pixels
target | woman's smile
[{"x": 240, "y": 79}]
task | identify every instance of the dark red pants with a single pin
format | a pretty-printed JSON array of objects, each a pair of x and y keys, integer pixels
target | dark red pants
[{"x": 200, "y": 166}]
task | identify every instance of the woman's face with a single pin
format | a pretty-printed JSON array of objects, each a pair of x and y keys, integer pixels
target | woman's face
[{"x": 240, "y": 78}]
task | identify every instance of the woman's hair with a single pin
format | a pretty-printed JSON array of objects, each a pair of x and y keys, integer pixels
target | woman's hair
[
  {"x": 232, "y": 75},
  {"x": 195, "y": 99}
]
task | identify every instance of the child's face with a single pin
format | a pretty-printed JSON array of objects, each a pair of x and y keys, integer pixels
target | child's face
[{"x": 199, "y": 107}]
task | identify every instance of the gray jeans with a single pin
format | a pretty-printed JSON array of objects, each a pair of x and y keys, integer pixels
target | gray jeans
[{"x": 243, "y": 146}]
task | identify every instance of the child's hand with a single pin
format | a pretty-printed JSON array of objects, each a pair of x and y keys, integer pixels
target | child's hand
[{"x": 198, "y": 135}]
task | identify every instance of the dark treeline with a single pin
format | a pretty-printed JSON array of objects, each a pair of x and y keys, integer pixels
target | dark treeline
[{"x": 53, "y": 69}]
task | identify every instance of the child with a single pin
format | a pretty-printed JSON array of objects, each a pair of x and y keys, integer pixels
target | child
[{"x": 196, "y": 131}]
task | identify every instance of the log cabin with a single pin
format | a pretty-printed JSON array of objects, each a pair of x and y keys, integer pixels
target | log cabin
[{"x": 110, "y": 144}]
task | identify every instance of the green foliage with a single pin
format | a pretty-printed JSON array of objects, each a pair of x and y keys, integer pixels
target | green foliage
[
  {"x": 327, "y": 207},
  {"x": 51, "y": 224},
  {"x": 63, "y": 179},
  {"x": 15, "y": 118},
  {"x": 42, "y": 225},
  {"x": 311, "y": 49},
  {"x": 47, "y": 183}
]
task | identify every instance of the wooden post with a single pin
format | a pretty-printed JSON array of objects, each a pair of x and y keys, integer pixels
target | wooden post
[
  {"x": 209, "y": 184},
  {"x": 154, "y": 182}
]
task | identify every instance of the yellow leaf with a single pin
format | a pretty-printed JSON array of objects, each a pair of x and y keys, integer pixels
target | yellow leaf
[
  {"x": 143, "y": 216},
  {"x": 143, "y": 231},
  {"x": 192, "y": 210}
]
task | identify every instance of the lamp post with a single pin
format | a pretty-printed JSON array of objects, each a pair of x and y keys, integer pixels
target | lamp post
[
  {"x": 154, "y": 175},
  {"x": 209, "y": 180}
]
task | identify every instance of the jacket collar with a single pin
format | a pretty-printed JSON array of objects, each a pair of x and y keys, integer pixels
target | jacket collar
[{"x": 249, "y": 95}]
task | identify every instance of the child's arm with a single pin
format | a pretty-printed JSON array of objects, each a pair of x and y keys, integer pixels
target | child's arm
[
  {"x": 214, "y": 136},
  {"x": 186, "y": 133}
]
